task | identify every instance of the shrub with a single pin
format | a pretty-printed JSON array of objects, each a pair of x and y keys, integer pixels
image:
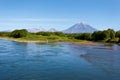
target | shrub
[
  {"x": 19, "y": 33},
  {"x": 114, "y": 40}
]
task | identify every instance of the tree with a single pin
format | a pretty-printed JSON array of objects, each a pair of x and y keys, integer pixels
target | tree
[
  {"x": 117, "y": 34},
  {"x": 73, "y": 36},
  {"x": 61, "y": 34},
  {"x": 44, "y": 33},
  {"x": 84, "y": 36},
  {"x": 105, "y": 35},
  {"x": 111, "y": 33},
  {"x": 19, "y": 33},
  {"x": 97, "y": 36},
  {"x": 4, "y": 34}
]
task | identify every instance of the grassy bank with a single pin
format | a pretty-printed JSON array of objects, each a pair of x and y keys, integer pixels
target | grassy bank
[
  {"x": 109, "y": 36},
  {"x": 47, "y": 39},
  {"x": 40, "y": 38}
]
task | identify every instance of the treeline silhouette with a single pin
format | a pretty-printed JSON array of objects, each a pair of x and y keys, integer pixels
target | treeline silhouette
[
  {"x": 108, "y": 35},
  {"x": 103, "y": 36}
]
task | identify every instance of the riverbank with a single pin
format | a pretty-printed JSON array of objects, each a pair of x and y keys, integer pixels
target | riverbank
[
  {"x": 77, "y": 42},
  {"x": 88, "y": 43},
  {"x": 26, "y": 41}
]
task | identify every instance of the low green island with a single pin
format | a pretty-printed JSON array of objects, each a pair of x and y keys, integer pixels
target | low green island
[{"x": 109, "y": 36}]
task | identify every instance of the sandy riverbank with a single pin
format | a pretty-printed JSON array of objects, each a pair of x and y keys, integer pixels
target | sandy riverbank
[{"x": 88, "y": 43}]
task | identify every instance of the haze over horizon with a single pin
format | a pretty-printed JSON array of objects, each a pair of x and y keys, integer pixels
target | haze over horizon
[{"x": 59, "y": 14}]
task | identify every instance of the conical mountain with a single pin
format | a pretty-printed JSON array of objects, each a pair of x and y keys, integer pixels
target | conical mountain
[{"x": 80, "y": 28}]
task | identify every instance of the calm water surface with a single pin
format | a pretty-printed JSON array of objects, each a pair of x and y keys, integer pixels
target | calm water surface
[{"x": 58, "y": 61}]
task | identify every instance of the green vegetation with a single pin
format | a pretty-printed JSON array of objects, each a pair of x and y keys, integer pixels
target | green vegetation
[
  {"x": 103, "y": 36},
  {"x": 19, "y": 33},
  {"x": 46, "y": 36},
  {"x": 118, "y": 35},
  {"x": 4, "y": 34},
  {"x": 106, "y": 36}
]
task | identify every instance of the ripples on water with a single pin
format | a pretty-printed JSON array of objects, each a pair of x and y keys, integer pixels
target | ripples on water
[{"x": 58, "y": 61}]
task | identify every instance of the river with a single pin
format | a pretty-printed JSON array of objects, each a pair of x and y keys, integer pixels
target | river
[{"x": 58, "y": 61}]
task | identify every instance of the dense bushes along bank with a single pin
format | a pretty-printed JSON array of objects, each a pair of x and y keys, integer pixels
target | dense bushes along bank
[{"x": 103, "y": 36}]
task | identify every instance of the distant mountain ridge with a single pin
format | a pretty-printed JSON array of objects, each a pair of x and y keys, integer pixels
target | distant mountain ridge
[
  {"x": 35, "y": 30},
  {"x": 77, "y": 28},
  {"x": 80, "y": 28}
]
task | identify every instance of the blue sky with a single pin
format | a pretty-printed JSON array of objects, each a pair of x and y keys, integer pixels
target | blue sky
[{"x": 59, "y": 14}]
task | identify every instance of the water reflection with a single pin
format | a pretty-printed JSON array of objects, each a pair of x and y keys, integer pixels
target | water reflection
[
  {"x": 108, "y": 44},
  {"x": 52, "y": 44},
  {"x": 107, "y": 60}
]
